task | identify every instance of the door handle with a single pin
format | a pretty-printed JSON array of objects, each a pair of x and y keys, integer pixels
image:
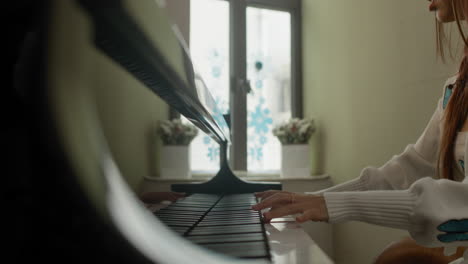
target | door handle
[{"x": 244, "y": 86}]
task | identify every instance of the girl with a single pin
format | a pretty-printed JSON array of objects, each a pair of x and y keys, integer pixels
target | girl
[{"x": 423, "y": 190}]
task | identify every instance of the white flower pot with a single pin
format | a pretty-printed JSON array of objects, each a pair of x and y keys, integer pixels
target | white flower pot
[
  {"x": 175, "y": 162},
  {"x": 295, "y": 161}
]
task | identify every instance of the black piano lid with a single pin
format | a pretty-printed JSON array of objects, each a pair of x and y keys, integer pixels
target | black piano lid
[{"x": 158, "y": 58}]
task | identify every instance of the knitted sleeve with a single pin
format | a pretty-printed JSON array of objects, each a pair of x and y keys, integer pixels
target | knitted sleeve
[
  {"x": 435, "y": 212},
  {"x": 416, "y": 161}
]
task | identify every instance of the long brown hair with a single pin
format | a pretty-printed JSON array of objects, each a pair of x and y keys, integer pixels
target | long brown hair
[{"x": 456, "y": 112}]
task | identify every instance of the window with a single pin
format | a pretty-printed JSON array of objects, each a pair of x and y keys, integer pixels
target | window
[
  {"x": 248, "y": 52},
  {"x": 209, "y": 48}
]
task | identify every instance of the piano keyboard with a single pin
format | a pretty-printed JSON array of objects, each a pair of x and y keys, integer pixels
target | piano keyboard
[{"x": 222, "y": 223}]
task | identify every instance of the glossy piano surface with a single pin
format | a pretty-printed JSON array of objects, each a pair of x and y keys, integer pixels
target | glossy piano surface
[{"x": 288, "y": 242}]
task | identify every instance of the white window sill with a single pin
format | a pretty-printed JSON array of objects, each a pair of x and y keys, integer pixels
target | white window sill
[{"x": 249, "y": 176}]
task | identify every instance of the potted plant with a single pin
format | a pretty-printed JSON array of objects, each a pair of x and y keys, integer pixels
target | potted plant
[
  {"x": 294, "y": 136},
  {"x": 175, "y": 157}
]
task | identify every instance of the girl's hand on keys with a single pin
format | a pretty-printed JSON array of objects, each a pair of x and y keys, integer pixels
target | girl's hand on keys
[{"x": 281, "y": 203}]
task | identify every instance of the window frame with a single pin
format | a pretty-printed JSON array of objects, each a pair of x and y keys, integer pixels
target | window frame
[
  {"x": 238, "y": 70},
  {"x": 238, "y": 42}
]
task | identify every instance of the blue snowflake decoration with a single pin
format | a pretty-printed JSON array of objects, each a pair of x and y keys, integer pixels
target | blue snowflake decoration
[
  {"x": 216, "y": 61},
  {"x": 258, "y": 65},
  {"x": 256, "y": 153},
  {"x": 259, "y": 84},
  {"x": 216, "y": 71},
  {"x": 260, "y": 120},
  {"x": 213, "y": 152},
  {"x": 251, "y": 152},
  {"x": 206, "y": 140}
]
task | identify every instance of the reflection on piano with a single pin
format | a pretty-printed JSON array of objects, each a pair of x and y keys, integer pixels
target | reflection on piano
[
  {"x": 212, "y": 215},
  {"x": 223, "y": 223}
]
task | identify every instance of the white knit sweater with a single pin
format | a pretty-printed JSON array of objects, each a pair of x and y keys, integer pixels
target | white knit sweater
[{"x": 404, "y": 193}]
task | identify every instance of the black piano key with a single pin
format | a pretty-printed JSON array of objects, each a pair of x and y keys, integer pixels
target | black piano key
[
  {"x": 232, "y": 216},
  {"x": 228, "y": 223},
  {"x": 185, "y": 218},
  {"x": 179, "y": 216},
  {"x": 181, "y": 221},
  {"x": 237, "y": 202},
  {"x": 245, "y": 221},
  {"x": 187, "y": 209},
  {"x": 167, "y": 220},
  {"x": 233, "y": 229},
  {"x": 232, "y": 213},
  {"x": 197, "y": 202},
  {"x": 232, "y": 203},
  {"x": 190, "y": 205},
  {"x": 178, "y": 223},
  {"x": 241, "y": 250},
  {"x": 229, "y": 238},
  {"x": 216, "y": 209},
  {"x": 178, "y": 212},
  {"x": 237, "y": 199},
  {"x": 179, "y": 230}
]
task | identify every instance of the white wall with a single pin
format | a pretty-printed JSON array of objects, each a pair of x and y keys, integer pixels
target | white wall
[
  {"x": 371, "y": 80},
  {"x": 129, "y": 111},
  {"x": 179, "y": 13}
]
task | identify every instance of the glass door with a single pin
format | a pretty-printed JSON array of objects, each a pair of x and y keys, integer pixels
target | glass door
[
  {"x": 209, "y": 48},
  {"x": 269, "y": 73}
]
